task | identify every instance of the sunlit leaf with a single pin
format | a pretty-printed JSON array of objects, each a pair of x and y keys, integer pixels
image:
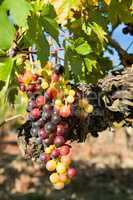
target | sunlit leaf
[{"x": 7, "y": 31}]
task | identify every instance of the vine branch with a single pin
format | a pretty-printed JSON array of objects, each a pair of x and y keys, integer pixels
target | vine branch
[{"x": 126, "y": 58}]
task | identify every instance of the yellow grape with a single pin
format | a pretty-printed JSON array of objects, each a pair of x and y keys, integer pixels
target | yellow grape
[
  {"x": 54, "y": 178},
  {"x": 71, "y": 93},
  {"x": 45, "y": 85},
  {"x": 66, "y": 160},
  {"x": 48, "y": 150},
  {"x": 66, "y": 91},
  {"x": 58, "y": 102},
  {"x": 70, "y": 99},
  {"x": 52, "y": 147},
  {"x": 63, "y": 178},
  {"x": 61, "y": 168},
  {"x": 89, "y": 108},
  {"x": 59, "y": 185},
  {"x": 51, "y": 165}
]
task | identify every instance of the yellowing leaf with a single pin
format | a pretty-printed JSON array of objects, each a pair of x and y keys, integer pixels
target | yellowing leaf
[
  {"x": 99, "y": 31},
  {"x": 107, "y": 2},
  {"x": 63, "y": 7}
]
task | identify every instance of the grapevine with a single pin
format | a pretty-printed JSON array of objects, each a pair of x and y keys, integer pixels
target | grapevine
[{"x": 67, "y": 102}]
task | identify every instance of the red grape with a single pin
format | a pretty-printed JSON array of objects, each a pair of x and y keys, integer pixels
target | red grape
[
  {"x": 59, "y": 141},
  {"x": 72, "y": 172},
  {"x": 40, "y": 100},
  {"x": 64, "y": 150},
  {"x": 35, "y": 113}
]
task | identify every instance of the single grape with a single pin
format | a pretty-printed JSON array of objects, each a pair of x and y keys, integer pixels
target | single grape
[
  {"x": 54, "y": 178},
  {"x": 59, "y": 141},
  {"x": 60, "y": 129},
  {"x": 50, "y": 127},
  {"x": 52, "y": 93},
  {"x": 56, "y": 118},
  {"x": 46, "y": 116},
  {"x": 65, "y": 111},
  {"x": 39, "y": 123},
  {"x": 44, "y": 157},
  {"x": 70, "y": 99},
  {"x": 61, "y": 168},
  {"x": 55, "y": 153},
  {"x": 66, "y": 160},
  {"x": 40, "y": 101},
  {"x": 55, "y": 77},
  {"x": 58, "y": 69},
  {"x": 34, "y": 77},
  {"x": 63, "y": 178},
  {"x": 51, "y": 165},
  {"x": 59, "y": 185},
  {"x": 35, "y": 113},
  {"x": 64, "y": 150},
  {"x": 48, "y": 141},
  {"x": 72, "y": 172},
  {"x": 42, "y": 134}
]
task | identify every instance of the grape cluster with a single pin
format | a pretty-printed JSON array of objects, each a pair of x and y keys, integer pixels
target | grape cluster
[
  {"x": 128, "y": 29},
  {"x": 54, "y": 109}
]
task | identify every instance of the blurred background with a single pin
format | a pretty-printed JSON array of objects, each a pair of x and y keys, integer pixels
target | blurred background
[{"x": 104, "y": 164}]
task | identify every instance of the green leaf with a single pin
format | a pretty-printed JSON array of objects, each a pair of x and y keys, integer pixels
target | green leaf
[
  {"x": 5, "y": 69},
  {"x": 50, "y": 26},
  {"x": 48, "y": 20},
  {"x": 98, "y": 30},
  {"x": 74, "y": 60},
  {"x": 7, "y": 30},
  {"x": 84, "y": 49},
  {"x": 37, "y": 37},
  {"x": 90, "y": 64},
  {"x": 121, "y": 14},
  {"x": 12, "y": 87},
  {"x": 49, "y": 11},
  {"x": 19, "y": 10}
]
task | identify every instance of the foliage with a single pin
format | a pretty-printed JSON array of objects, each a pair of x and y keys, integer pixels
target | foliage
[{"x": 37, "y": 26}]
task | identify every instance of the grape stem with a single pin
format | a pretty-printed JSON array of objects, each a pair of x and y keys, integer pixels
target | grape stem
[{"x": 10, "y": 119}]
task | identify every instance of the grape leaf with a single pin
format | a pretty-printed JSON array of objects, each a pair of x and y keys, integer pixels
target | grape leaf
[
  {"x": 48, "y": 20},
  {"x": 7, "y": 30},
  {"x": 19, "y": 10},
  {"x": 37, "y": 37},
  {"x": 5, "y": 69},
  {"x": 98, "y": 30},
  {"x": 121, "y": 14},
  {"x": 83, "y": 49},
  {"x": 74, "y": 60},
  {"x": 63, "y": 7},
  {"x": 90, "y": 64}
]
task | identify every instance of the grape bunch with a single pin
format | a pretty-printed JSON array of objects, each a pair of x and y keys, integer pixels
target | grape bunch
[
  {"x": 128, "y": 29},
  {"x": 54, "y": 111}
]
